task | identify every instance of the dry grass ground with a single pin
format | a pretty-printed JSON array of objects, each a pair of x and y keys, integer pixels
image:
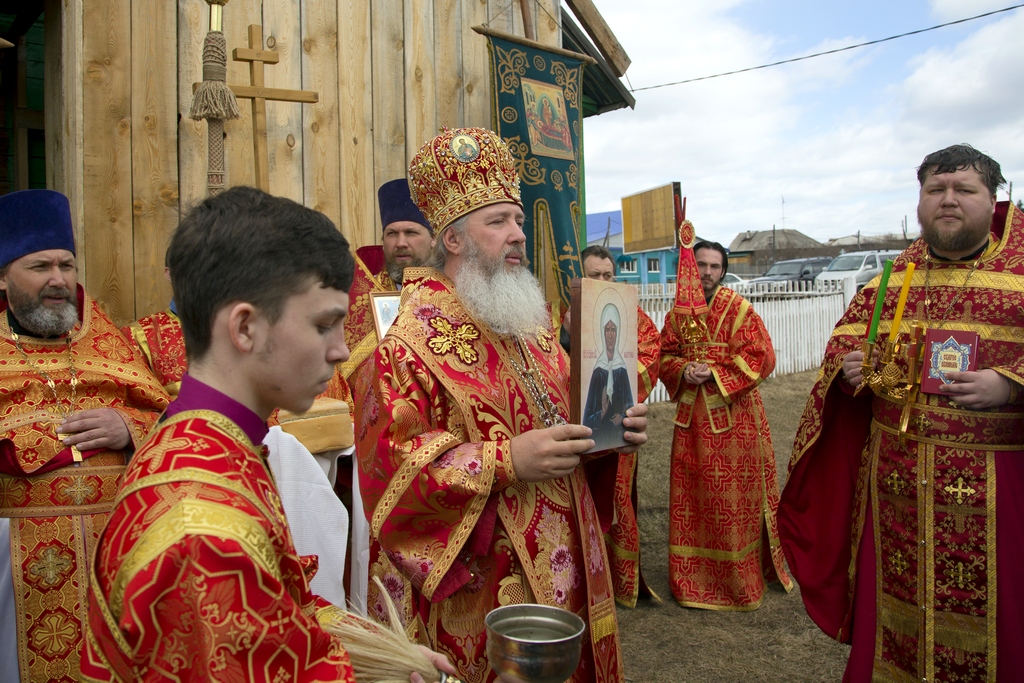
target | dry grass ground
[{"x": 664, "y": 642}]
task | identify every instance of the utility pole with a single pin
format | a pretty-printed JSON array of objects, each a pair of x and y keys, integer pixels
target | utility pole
[{"x": 773, "y": 245}]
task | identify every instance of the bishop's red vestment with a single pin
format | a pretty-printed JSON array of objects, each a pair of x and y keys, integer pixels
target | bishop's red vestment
[
  {"x": 724, "y": 491},
  {"x": 442, "y": 495}
]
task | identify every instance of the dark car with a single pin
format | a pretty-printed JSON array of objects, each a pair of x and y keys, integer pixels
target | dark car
[{"x": 798, "y": 269}]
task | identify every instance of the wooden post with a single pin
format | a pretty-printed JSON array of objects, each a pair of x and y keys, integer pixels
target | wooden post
[{"x": 528, "y": 27}]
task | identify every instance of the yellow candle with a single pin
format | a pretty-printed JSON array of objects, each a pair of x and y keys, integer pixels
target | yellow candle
[{"x": 904, "y": 291}]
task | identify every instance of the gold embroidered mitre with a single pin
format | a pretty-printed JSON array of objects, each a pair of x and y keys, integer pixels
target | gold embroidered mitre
[{"x": 459, "y": 171}]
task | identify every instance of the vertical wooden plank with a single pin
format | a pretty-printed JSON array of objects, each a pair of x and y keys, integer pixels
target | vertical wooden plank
[
  {"x": 476, "y": 71},
  {"x": 321, "y": 176},
  {"x": 420, "y": 99},
  {"x": 193, "y": 23},
  {"x": 389, "y": 87},
  {"x": 107, "y": 176},
  {"x": 63, "y": 111},
  {"x": 448, "y": 62},
  {"x": 238, "y": 160},
  {"x": 154, "y": 148},
  {"x": 547, "y": 18},
  {"x": 282, "y": 33},
  {"x": 499, "y": 14},
  {"x": 356, "y": 111}
]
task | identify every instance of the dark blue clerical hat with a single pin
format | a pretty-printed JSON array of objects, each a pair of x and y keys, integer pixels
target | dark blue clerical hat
[
  {"x": 397, "y": 205},
  {"x": 34, "y": 220}
]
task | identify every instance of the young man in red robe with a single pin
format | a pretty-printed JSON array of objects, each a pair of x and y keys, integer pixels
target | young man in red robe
[
  {"x": 723, "y": 538},
  {"x": 899, "y": 503},
  {"x": 196, "y": 577},
  {"x": 75, "y": 401},
  {"x": 476, "y": 492}
]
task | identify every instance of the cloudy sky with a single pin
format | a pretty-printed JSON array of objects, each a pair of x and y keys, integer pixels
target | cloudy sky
[{"x": 838, "y": 136}]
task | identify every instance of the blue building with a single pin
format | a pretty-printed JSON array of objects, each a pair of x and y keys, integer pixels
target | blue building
[{"x": 656, "y": 266}]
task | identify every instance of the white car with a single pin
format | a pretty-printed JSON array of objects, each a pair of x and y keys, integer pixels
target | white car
[
  {"x": 730, "y": 279},
  {"x": 860, "y": 265}
]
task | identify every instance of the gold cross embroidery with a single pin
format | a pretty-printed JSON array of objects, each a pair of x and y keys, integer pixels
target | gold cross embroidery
[
  {"x": 50, "y": 566},
  {"x": 79, "y": 490},
  {"x": 960, "y": 490},
  {"x": 923, "y": 423},
  {"x": 896, "y": 483},
  {"x": 899, "y": 563},
  {"x": 279, "y": 622},
  {"x": 961, "y": 577}
]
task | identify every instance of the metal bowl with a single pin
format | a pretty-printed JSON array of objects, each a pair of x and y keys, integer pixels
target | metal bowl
[{"x": 533, "y": 643}]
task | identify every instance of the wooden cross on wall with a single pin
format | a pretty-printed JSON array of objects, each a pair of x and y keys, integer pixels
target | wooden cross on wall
[{"x": 259, "y": 94}]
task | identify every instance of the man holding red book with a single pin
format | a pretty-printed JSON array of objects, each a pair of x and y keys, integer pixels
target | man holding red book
[{"x": 899, "y": 500}]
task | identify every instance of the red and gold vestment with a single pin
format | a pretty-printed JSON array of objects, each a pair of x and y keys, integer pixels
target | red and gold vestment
[
  {"x": 724, "y": 485},
  {"x": 618, "y": 512},
  {"x": 159, "y": 339},
  {"x": 446, "y": 504},
  {"x": 360, "y": 334},
  {"x": 57, "y": 506},
  {"x": 894, "y": 540},
  {"x": 196, "y": 575}
]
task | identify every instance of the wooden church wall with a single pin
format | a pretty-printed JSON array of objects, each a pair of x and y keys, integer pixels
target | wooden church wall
[{"x": 388, "y": 73}]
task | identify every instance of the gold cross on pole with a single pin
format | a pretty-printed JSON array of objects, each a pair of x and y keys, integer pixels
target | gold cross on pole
[{"x": 259, "y": 94}]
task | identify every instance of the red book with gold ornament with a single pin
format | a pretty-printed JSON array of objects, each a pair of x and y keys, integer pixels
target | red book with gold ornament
[{"x": 947, "y": 351}]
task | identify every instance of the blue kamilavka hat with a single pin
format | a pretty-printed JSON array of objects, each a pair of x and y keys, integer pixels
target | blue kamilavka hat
[
  {"x": 397, "y": 205},
  {"x": 34, "y": 220}
]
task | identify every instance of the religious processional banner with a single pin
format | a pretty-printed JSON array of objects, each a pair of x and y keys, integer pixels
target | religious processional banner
[{"x": 537, "y": 110}]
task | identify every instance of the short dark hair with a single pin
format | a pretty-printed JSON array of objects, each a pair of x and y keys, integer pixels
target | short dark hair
[
  {"x": 717, "y": 247},
  {"x": 245, "y": 245},
  {"x": 598, "y": 251},
  {"x": 959, "y": 158}
]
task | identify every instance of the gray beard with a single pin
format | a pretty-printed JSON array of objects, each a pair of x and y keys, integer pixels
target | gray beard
[
  {"x": 37, "y": 318},
  {"x": 396, "y": 271},
  {"x": 510, "y": 302}
]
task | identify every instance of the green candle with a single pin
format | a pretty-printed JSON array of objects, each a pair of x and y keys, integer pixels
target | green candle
[{"x": 879, "y": 300}]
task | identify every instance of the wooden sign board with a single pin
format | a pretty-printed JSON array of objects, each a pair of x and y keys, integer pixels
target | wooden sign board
[
  {"x": 603, "y": 361},
  {"x": 649, "y": 219}
]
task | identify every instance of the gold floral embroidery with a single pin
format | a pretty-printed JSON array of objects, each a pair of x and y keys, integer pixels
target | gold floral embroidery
[
  {"x": 457, "y": 337},
  {"x": 511, "y": 65},
  {"x": 529, "y": 169},
  {"x": 569, "y": 80}
]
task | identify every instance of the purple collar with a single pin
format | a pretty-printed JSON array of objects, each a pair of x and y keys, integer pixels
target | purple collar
[{"x": 194, "y": 395}]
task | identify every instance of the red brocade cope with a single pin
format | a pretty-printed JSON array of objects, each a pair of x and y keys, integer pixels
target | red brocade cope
[
  {"x": 724, "y": 486},
  {"x": 442, "y": 496},
  {"x": 617, "y": 512},
  {"x": 159, "y": 339},
  {"x": 942, "y": 612},
  {"x": 58, "y": 507},
  {"x": 196, "y": 575}
]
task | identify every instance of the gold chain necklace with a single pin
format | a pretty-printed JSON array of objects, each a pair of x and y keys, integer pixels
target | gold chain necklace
[
  {"x": 64, "y": 413},
  {"x": 959, "y": 294},
  {"x": 549, "y": 412}
]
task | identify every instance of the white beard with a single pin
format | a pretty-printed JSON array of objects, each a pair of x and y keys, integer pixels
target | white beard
[{"x": 510, "y": 302}]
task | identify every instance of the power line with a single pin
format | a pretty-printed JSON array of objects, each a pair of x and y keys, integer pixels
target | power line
[{"x": 831, "y": 52}]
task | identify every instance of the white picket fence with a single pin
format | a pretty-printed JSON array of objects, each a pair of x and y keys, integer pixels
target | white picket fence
[{"x": 799, "y": 317}]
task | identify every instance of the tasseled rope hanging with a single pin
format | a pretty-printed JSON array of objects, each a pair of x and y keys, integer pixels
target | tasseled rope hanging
[{"x": 213, "y": 99}]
